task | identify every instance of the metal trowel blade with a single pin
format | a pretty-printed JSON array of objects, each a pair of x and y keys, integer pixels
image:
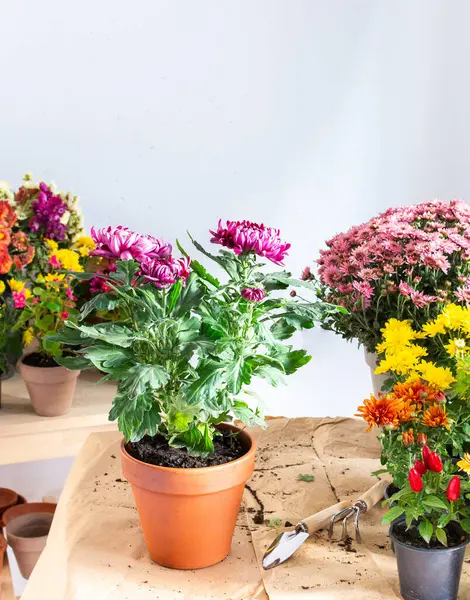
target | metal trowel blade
[{"x": 283, "y": 547}]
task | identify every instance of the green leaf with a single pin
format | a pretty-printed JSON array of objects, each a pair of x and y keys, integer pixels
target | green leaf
[
  {"x": 107, "y": 332},
  {"x": 149, "y": 426},
  {"x": 242, "y": 411},
  {"x": 273, "y": 375},
  {"x": 294, "y": 360},
  {"x": 125, "y": 271},
  {"x": 409, "y": 517},
  {"x": 392, "y": 514},
  {"x": 425, "y": 529},
  {"x": 140, "y": 376},
  {"x": 190, "y": 296},
  {"x": 210, "y": 376},
  {"x": 275, "y": 522},
  {"x": 465, "y": 524},
  {"x": 444, "y": 520},
  {"x": 238, "y": 373},
  {"x": 199, "y": 269},
  {"x": 225, "y": 260},
  {"x": 441, "y": 536},
  {"x": 69, "y": 336},
  {"x": 174, "y": 294},
  {"x": 434, "y": 502},
  {"x": 305, "y": 477},
  {"x": 105, "y": 301},
  {"x": 282, "y": 330},
  {"x": 74, "y": 363},
  {"x": 53, "y": 306},
  {"x": 81, "y": 276},
  {"x": 52, "y": 348},
  {"x": 104, "y": 356}
]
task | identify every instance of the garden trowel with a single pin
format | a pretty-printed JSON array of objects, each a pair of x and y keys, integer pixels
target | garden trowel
[{"x": 285, "y": 544}]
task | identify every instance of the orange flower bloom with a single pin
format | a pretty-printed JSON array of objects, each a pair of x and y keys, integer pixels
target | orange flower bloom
[
  {"x": 20, "y": 241},
  {"x": 405, "y": 411},
  {"x": 4, "y": 235},
  {"x": 408, "y": 437},
  {"x": 25, "y": 258},
  {"x": 435, "y": 416},
  {"x": 7, "y": 215},
  {"x": 381, "y": 411},
  {"x": 417, "y": 392},
  {"x": 422, "y": 438},
  {"x": 5, "y": 260}
]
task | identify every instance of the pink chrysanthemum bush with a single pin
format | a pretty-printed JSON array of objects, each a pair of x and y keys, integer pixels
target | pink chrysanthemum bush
[
  {"x": 405, "y": 263},
  {"x": 186, "y": 345}
]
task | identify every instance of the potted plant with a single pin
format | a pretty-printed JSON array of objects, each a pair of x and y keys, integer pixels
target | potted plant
[
  {"x": 427, "y": 401},
  {"x": 45, "y": 308},
  {"x": 430, "y": 529},
  {"x": 184, "y": 350},
  {"x": 404, "y": 264}
]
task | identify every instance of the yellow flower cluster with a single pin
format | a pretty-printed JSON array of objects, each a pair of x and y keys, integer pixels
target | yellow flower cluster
[
  {"x": 28, "y": 336},
  {"x": 19, "y": 286},
  {"x": 85, "y": 245},
  {"x": 404, "y": 357},
  {"x": 68, "y": 260},
  {"x": 2, "y": 287}
]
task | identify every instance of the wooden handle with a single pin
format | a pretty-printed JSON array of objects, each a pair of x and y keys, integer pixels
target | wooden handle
[
  {"x": 374, "y": 494},
  {"x": 322, "y": 519}
]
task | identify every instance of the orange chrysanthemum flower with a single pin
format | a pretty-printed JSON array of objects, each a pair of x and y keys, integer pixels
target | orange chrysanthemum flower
[
  {"x": 417, "y": 392},
  {"x": 5, "y": 260},
  {"x": 20, "y": 241},
  {"x": 381, "y": 411},
  {"x": 7, "y": 215},
  {"x": 406, "y": 410},
  {"x": 4, "y": 235},
  {"x": 23, "y": 259},
  {"x": 408, "y": 437},
  {"x": 435, "y": 416}
]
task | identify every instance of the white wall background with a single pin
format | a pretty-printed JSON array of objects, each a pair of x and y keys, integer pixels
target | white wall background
[{"x": 309, "y": 115}]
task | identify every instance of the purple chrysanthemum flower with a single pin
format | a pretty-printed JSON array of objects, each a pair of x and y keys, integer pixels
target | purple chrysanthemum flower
[
  {"x": 245, "y": 236},
  {"x": 122, "y": 244},
  {"x": 166, "y": 271},
  {"x": 48, "y": 211},
  {"x": 253, "y": 294}
]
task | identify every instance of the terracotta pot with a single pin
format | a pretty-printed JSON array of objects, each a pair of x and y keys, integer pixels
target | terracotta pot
[
  {"x": 21, "y": 500},
  {"x": 51, "y": 389},
  {"x": 7, "y": 498},
  {"x": 27, "y": 528},
  {"x": 188, "y": 515},
  {"x": 377, "y": 380}
]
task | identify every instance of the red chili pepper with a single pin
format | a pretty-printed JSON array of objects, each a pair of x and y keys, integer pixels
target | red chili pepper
[
  {"x": 422, "y": 438},
  {"x": 416, "y": 483},
  {"x": 426, "y": 455},
  {"x": 420, "y": 467},
  {"x": 453, "y": 489},
  {"x": 435, "y": 463}
]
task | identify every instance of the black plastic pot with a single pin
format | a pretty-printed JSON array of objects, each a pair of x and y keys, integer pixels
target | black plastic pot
[{"x": 428, "y": 574}]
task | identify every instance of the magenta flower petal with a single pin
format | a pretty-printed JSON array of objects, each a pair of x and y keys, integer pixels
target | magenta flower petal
[
  {"x": 164, "y": 272},
  {"x": 245, "y": 236},
  {"x": 122, "y": 244},
  {"x": 253, "y": 294}
]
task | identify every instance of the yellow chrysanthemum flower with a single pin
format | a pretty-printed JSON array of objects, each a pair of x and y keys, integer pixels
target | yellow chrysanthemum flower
[
  {"x": 54, "y": 277},
  {"x": 2, "y": 287},
  {"x": 456, "y": 346},
  {"x": 397, "y": 335},
  {"x": 28, "y": 336},
  {"x": 403, "y": 362},
  {"x": 436, "y": 327},
  {"x": 464, "y": 464},
  {"x": 68, "y": 259},
  {"x": 52, "y": 245},
  {"x": 85, "y": 244},
  {"x": 16, "y": 285},
  {"x": 439, "y": 377},
  {"x": 455, "y": 316}
]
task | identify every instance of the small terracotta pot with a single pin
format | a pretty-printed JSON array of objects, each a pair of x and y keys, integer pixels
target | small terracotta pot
[
  {"x": 21, "y": 500},
  {"x": 7, "y": 498},
  {"x": 188, "y": 515},
  {"x": 51, "y": 389},
  {"x": 27, "y": 528}
]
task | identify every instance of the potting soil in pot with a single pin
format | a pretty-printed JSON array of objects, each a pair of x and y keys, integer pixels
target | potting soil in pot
[
  {"x": 156, "y": 451},
  {"x": 455, "y": 537},
  {"x": 36, "y": 359}
]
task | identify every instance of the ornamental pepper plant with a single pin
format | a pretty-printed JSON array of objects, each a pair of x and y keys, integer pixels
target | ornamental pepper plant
[
  {"x": 405, "y": 263},
  {"x": 427, "y": 401},
  {"x": 432, "y": 501},
  {"x": 187, "y": 345}
]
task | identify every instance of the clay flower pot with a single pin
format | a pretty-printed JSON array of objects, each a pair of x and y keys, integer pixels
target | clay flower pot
[
  {"x": 3, "y": 547},
  {"x": 7, "y": 498},
  {"x": 188, "y": 515},
  {"x": 27, "y": 528},
  {"x": 20, "y": 500},
  {"x": 51, "y": 389}
]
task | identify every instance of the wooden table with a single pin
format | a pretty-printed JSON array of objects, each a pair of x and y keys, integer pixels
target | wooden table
[{"x": 25, "y": 436}]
